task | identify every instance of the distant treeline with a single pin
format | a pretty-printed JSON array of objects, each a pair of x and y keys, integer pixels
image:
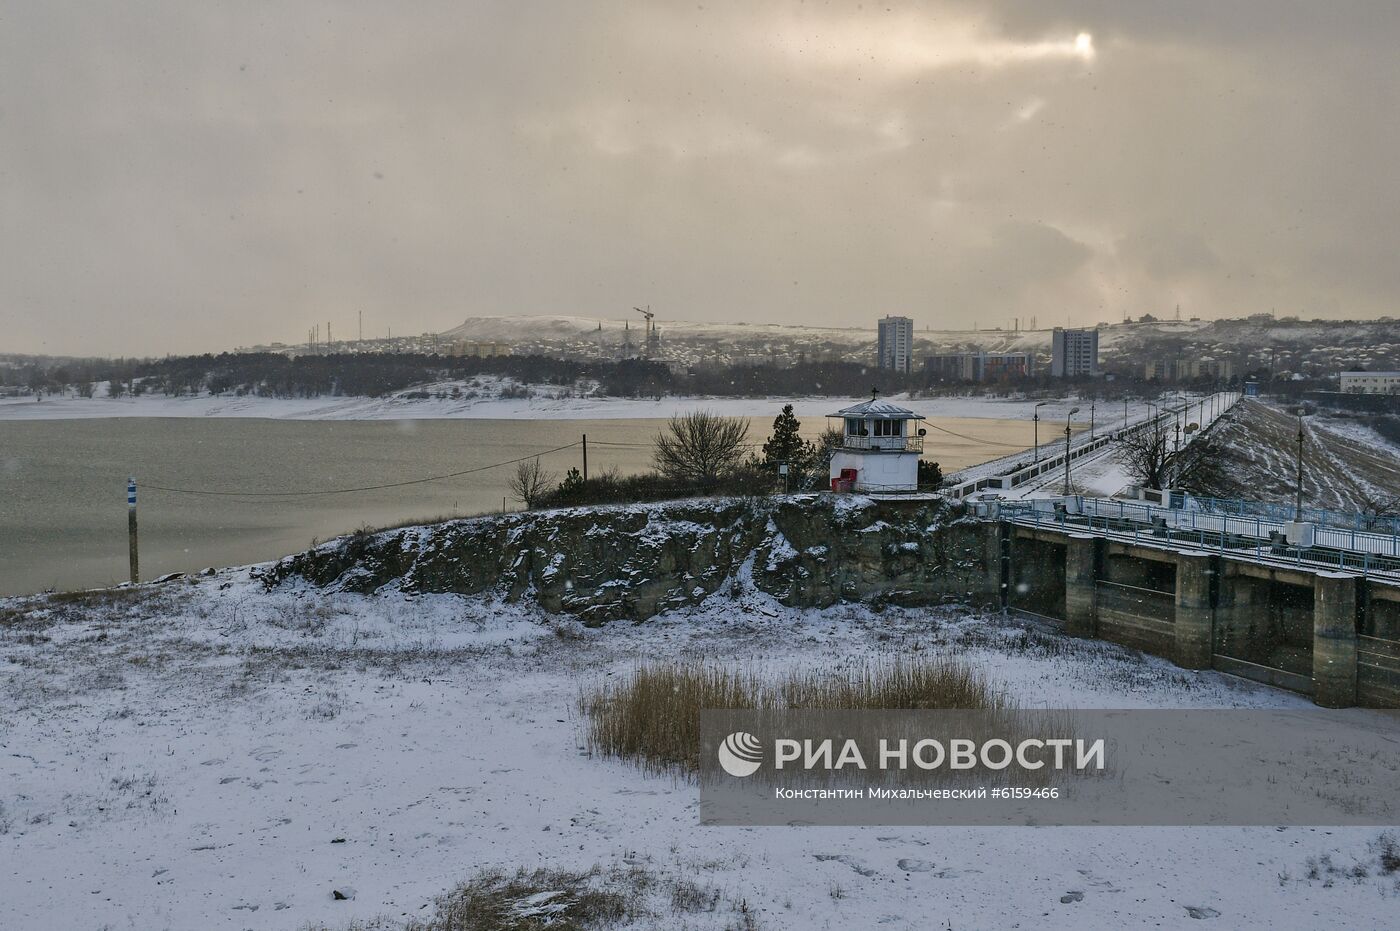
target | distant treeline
[
  {"x": 377, "y": 374},
  {"x": 374, "y": 374},
  {"x": 267, "y": 374}
]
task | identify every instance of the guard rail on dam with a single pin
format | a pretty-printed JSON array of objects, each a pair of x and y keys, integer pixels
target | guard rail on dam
[
  {"x": 1048, "y": 459},
  {"x": 1314, "y": 609},
  {"x": 1266, "y": 538}
]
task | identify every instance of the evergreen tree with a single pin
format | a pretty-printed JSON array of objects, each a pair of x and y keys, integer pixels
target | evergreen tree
[
  {"x": 786, "y": 443},
  {"x": 930, "y": 474}
]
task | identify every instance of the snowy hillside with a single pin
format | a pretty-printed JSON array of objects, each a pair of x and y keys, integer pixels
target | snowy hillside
[
  {"x": 1347, "y": 466},
  {"x": 1319, "y": 347}
]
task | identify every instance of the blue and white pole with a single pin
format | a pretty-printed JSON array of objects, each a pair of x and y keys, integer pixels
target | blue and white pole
[{"x": 131, "y": 530}]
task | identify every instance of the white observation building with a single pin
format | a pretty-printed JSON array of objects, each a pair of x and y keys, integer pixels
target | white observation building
[{"x": 880, "y": 448}]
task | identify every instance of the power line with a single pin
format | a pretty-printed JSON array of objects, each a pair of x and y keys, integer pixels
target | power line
[
  {"x": 653, "y": 445},
  {"x": 342, "y": 491},
  {"x": 975, "y": 439}
]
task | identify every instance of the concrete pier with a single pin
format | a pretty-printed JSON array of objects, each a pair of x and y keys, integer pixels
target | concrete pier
[
  {"x": 1332, "y": 635},
  {"x": 1081, "y": 574},
  {"x": 1193, "y": 611},
  {"x": 1334, "y": 640}
]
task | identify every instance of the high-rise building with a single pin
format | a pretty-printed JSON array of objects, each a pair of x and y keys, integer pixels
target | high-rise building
[
  {"x": 1074, "y": 353},
  {"x": 896, "y": 344}
]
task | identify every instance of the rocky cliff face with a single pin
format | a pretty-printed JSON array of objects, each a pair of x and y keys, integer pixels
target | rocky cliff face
[{"x": 611, "y": 563}]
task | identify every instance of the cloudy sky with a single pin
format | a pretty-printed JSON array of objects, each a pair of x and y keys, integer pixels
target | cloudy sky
[{"x": 181, "y": 176}]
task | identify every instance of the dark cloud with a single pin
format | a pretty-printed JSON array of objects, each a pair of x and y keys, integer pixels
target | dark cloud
[
  {"x": 185, "y": 176},
  {"x": 1169, "y": 254}
]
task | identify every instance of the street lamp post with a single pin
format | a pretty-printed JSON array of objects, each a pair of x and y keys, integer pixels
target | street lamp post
[
  {"x": 1035, "y": 416},
  {"x": 1190, "y": 429},
  {"x": 1298, "y": 500},
  {"x": 1092, "y": 406},
  {"x": 1068, "y": 417}
]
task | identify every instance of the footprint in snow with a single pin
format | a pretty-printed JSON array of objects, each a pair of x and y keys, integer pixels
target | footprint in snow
[
  {"x": 909, "y": 865},
  {"x": 1105, "y": 884},
  {"x": 846, "y": 860},
  {"x": 1201, "y": 911},
  {"x": 895, "y": 839},
  {"x": 1071, "y": 896}
]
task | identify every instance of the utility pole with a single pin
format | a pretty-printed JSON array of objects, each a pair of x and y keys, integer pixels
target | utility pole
[
  {"x": 585, "y": 457},
  {"x": 1092, "y": 406},
  {"x": 132, "y": 556}
]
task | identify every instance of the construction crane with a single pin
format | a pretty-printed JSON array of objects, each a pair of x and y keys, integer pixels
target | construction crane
[{"x": 653, "y": 338}]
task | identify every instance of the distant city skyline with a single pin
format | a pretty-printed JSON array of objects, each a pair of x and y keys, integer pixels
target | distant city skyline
[{"x": 189, "y": 177}]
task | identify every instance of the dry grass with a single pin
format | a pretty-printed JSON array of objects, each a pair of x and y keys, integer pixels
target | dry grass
[
  {"x": 561, "y": 900},
  {"x": 651, "y": 716},
  {"x": 543, "y": 899}
]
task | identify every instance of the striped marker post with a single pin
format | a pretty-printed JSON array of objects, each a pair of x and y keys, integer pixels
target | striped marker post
[{"x": 131, "y": 530}]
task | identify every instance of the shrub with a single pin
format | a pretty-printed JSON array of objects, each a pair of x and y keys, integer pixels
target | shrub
[
  {"x": 930, "y": 474},
  {"x": 699, "y": 448},
  {"x": 611, "y": 487},
  {"x": 652, "y": 715}
]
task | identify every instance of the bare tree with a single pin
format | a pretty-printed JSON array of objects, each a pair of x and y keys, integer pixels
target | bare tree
[
  {"x": 530, "y": 481},
  {"x": 1143, "y": 454},
  {"x": 1380, "y": 509},
  {"x": 699, "y": 448}
]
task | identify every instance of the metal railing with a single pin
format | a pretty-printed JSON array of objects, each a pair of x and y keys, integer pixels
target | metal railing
[
  {"x": 1149, "y": 525},
  {"x": 1322, "y": 517},
  {"x": 891, "y": 444},
  {"x": 1050, "y": 456}
]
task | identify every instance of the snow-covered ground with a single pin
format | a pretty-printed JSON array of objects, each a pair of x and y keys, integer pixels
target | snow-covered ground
[
  {"x": 547, "y": 402},
  {"x": 202, "y": 754}
]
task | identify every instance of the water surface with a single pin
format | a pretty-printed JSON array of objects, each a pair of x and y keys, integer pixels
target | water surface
[{"x": 63, "y": 513}]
